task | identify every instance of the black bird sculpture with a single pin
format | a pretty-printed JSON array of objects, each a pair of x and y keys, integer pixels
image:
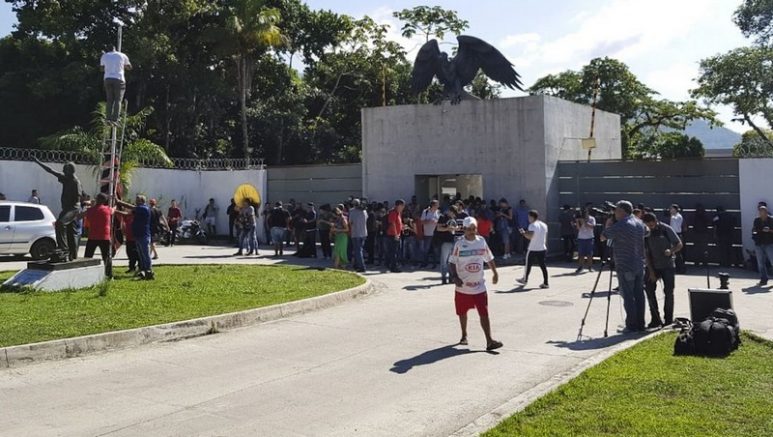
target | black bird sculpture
[{"x": 472, "y": 55}]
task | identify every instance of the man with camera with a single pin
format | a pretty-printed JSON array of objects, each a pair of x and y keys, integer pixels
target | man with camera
[
  {"x": 661, "y": 246},
  {"x": 627, "y": 236}
]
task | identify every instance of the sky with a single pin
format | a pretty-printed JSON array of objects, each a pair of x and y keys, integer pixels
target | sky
[{"x": 661, "y": 41}]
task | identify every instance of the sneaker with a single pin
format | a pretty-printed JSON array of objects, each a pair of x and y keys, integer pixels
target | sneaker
[
  {"x": 590, "y": 269},
  {"x": 578, "y": 271},
  {"x": 131, "y": 270},
  {"x": 521, "y": 281},
  {"x": 762, "y": 283},
  {"x": 239, "y": 253},
  {"x": 149, "y": 275},
  {"x": 543, "y": 286}
]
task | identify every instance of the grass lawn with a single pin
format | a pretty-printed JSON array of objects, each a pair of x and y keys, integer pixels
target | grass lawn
[
  {"x": 645, "y": 391},
  {"x": 178, "y": 293}
]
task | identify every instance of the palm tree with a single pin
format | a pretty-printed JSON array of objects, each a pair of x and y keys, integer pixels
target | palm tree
[
  {"x": 136, "y": 151},
  {"x": 251, "y": 30}
]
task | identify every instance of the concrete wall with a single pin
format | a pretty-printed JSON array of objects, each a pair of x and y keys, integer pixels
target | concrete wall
[
  {"x": 191, "y": 188},
  {"x": 515, "y": 144},
  {"x": 317, "y": 183},
  {"x": 755, "y": 186}
]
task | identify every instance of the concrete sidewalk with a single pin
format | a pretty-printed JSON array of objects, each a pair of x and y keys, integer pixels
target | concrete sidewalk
[{"x": 384, "y": 365}]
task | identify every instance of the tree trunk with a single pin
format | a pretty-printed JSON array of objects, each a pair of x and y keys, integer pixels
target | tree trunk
[
  {"x": 168, "y": 124},
  {"x": 280, "y": 146},
  {"x": 243, "y": 103}
]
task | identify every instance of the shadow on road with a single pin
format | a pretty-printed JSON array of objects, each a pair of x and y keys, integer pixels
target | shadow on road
[
  {"x": 600, "y": 294},
  {"x": 429, "y": 357},
  {"x": 757, "y": 289},
  {"x": 422, "y": 287},
  {"x": 594, "y": 343}
]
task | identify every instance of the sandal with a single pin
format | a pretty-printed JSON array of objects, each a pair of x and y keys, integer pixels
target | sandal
[{"x": 494, "y": 345}]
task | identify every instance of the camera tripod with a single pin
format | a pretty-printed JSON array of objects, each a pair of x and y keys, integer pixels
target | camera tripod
[{"x": 604, "y": 263}]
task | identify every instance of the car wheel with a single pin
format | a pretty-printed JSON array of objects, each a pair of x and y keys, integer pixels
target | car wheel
[{"x": 42, "y": 249}]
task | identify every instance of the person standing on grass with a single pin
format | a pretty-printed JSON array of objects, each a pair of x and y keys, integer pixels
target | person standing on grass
[
  {"x": 98, "y": 217},
  {"x": 585, "y": 241},
  {"x": 341, "y": 239},
  {"x": 762, "y": 234},
  {"x": 627, "y": 236},
  {"x": 466, "y": 262},
  {"x": 661, "y": 244},
  {"x": 537, "y": 234},
  {"x": 358, "y": 221},
  {"x": 131, "y": 245},
  {"x": 173, "y": 217},
  {"x": 141, "y": 229}
]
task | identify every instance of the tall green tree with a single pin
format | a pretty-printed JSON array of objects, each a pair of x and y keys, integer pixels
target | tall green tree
[
  {"x": 251, "y": 29},
  {"x": 430, "y": 21},
  {"x": 752, "y": 145},
  {"x": 643, "y": 114},
  {"x": 742, "y": 79},
  {"x": 755, "y": 19}
]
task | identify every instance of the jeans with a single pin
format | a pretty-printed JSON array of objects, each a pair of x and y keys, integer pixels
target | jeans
[
  {"x": 393, "y": 247},
  {"x": 667, "y": 275},
  {"x": 764, "y": 254},
  {"x": 114, "y": 90},
  {"x": 632, "y": 292},
  {"x": 445, "y": 253},
  {"x": 569, "y": 246},
  {"x": 370, "y": 247},
  {"x": 357, "y": 243},
  {"x": 429, "y": 250},
  {"x": 173, "y": 234},
  {"x": 143, "y": 251},
  {"x": 131, "y": 252}
]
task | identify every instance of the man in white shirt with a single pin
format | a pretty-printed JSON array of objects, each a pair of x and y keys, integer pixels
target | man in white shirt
[
  {"x": 34, "y": 198},
  {"x": 114, "y": 63},
  {"x": 538, "y": 238},
  {"x": 466, "y": 265},
  {"x": 676, "y": 223},
  {"x": 429, "y": 220}
]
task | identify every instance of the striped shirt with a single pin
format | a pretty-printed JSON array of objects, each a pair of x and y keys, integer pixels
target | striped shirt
[{"x": 627, "y": 238}]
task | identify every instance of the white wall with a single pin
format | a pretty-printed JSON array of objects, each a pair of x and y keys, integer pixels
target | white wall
[
  {"x": 191, "y": 188},
  {"x": 756, "y": 184}
]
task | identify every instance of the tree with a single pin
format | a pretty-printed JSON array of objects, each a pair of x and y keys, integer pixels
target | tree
[
  {"x": 430, "y": 21},
  {"x": 484, "y": 89},
  {"x": 755, "y": 18},
  {"x": 743, "y": 79},
  {"x": 675, "y": 145},
  {"x": 754, "y": 146},
  {"x": 250, "y": 30},
  {"x": 643, "y": 115}
]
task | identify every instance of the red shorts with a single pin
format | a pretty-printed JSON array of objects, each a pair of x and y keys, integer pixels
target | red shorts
[{"x": 466, "y": 302}]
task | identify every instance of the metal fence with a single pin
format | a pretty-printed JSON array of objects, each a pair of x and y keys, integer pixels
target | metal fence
[
  {"x": 658, "y": 184},
  {"x": 12, "y": 154}
]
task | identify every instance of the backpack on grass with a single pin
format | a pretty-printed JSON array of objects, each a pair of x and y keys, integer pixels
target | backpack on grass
[{"x": 714, "y": 337}]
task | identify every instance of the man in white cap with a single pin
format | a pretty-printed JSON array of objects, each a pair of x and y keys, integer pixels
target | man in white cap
[{"x": 466, "y": 266}]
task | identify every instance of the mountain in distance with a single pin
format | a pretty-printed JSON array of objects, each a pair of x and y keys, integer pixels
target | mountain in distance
[{"x": 712, "y": 138}]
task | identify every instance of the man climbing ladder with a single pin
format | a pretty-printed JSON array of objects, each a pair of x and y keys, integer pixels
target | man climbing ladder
[{"x": 114, "y": 63}]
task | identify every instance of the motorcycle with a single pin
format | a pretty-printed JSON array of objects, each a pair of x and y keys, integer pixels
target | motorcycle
[{"x": 189, "y": 231}]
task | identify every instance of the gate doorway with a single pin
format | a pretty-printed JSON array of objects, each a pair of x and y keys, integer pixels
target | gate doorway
[{"x": 429, "y": 186}]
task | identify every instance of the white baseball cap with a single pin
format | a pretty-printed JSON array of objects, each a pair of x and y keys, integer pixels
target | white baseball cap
[{"x": 469, "y": 221}]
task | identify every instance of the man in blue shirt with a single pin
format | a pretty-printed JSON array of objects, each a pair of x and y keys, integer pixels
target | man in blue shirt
[
  {"x": 141, "y": 231},
  {"x": 627, "y": 236}
]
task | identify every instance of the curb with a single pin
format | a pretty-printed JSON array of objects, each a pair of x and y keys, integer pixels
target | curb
[
  {"x": 518, "y": 403},
  {"x": 25, "y": 354}
]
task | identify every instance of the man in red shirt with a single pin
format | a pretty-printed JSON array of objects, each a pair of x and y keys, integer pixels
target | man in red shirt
[
  {"x": 394, "y": 231},
  {"x": 173, "y": 218},
  {"x": 98, "y": 218}
]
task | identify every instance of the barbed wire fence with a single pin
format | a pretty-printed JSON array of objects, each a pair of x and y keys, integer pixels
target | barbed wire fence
[{"x": 211, "y": 164}]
